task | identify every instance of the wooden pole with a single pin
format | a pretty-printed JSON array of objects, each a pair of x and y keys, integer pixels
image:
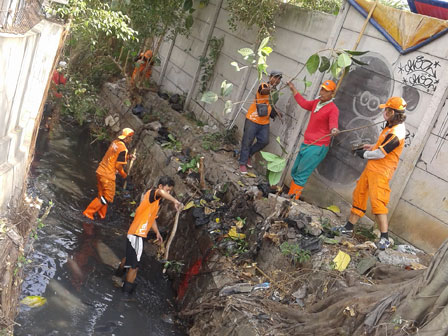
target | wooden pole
[
  {"x": 361, "y": 33},
  {"x": 170, "y": 239},
  {"x": 201, "y": 173},
  {"x": 130, "y": 167}
]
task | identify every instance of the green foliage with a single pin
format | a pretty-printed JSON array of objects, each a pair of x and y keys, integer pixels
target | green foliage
[
  {"x": 21, "y": 262},
  {"x": 175, "y": 266},
  {"x": 215, "y": 141},
  {"x": 258, "y": 13},
  {"x": 173, "y": 143},
  {"x": 327, "y": 6},
  {"x": 82, "y": 100},
  {"x": 276, "y": 165},
  {"x": 241, "y": 246},
  {"x": 190, "y": 165},
  {"x": 208, "y": 63},
  {"x": 257, "y": 60},
  {"x": 338, "y": 61},
  {"x": 294, "y": 251}
]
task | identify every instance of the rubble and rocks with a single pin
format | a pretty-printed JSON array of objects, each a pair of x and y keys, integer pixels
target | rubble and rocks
[{"x": 231, "y": 240}]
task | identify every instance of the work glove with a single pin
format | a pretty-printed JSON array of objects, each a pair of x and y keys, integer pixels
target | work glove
[{"x": 359, "y": 152}]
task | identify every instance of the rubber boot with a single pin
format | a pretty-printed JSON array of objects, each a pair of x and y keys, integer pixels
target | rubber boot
[
  {"x": 295, "y": 189},
  {"x": 102, "y": 211},
  {"x": 93, "y": 207},
  {"x": 129, "y": 287}
]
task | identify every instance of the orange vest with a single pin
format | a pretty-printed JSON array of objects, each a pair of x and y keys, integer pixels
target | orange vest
[
  {"x": 109, "y": 165},
  {"x": 145, "y": 215},
  {"x": 252, "y": 114},
  {"x": 387, "y": 165}
]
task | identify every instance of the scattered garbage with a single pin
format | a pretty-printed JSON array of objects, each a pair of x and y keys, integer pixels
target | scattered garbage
[
  {"x": 236, "y": 289},
  {"x": 397, "y": 258},
  {"x": 264, "y": 285},
  {"x": 408, "y": 249},
  {"x": 33, "y": 301},
  {"x": 365, "y": 265},
  {"x": 300, "y": 293},
  {"x": 334, "y": 208},
  {"x": 341, "y": 261}
]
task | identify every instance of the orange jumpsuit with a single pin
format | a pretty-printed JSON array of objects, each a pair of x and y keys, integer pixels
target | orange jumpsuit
[
  {"x": 374, "y": 180},
  {"x": 144, "y": 59},
  {"x": 112, "y": 162}
]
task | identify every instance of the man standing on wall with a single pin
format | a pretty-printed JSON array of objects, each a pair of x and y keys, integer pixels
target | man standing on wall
[
  {"x": 144, "y": 220},
  {"x": 113, "y": 161},
  {"x": 382, "y": 161},
  {"x": 323, "y": 121},
  {"x": 257, "y": 122}
]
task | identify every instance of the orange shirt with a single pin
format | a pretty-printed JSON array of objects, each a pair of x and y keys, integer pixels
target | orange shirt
[
  {"x": 145, "y": 215},
  {"x": 387, "y": 165},
  {"x": 113, "y": 161},
  {"x": 252, "y": 114}
]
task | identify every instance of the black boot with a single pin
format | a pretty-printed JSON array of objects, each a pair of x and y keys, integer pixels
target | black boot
[{"x": 129, "y": 287}]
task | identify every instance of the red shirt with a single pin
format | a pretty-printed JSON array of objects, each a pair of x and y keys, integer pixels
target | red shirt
[{"x": 321, "y": 122}]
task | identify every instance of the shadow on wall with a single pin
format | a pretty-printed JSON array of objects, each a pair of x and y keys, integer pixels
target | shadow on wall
[{"x": 358, "y": 100}]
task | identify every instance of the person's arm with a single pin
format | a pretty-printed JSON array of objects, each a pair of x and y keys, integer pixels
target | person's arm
[
  {"x": 162, "y": 193},
  {"x": 389, "y": 144},
  {"x": 306, "y": 104},
  {"x": 333, "y": 120},
  {"x": 155, "y": 228},
  {"x": 121, "y": 161}
]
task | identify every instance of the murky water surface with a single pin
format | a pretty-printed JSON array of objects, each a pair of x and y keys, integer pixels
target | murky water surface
[{"x": 73, "y": 258}]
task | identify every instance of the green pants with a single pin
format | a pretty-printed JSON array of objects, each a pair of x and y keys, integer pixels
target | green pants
[{"x": 307, "y": 160}]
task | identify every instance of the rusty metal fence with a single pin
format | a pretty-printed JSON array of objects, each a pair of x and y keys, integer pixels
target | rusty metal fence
[{"x": 19, "y": 16}]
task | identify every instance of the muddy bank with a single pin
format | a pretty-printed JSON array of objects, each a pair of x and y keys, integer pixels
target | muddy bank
[
  {"x": 246, "y": 261},
  {"x": 14, "y": 235}
]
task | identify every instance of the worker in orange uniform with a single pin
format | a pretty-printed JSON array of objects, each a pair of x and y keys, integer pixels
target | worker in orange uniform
[
  {"x": 256, "y": 125},
  {"x": 382, "y": 159},
  {"x": 143, "y": 68},
  {"x": 144, "y": 220},
  {"x": 113, "y": 161}
]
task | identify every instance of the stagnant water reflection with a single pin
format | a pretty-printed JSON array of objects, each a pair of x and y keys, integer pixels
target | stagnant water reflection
[{"x": 72, "y": 260}]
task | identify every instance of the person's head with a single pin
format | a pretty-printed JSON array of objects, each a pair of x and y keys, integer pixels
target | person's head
[
  {"x": 62, "y": 65},
  {"x": 275, "y": 77},
  {"x": 147, "y": 55},
  {"x": 394, "y": 111},
  {"x": 327, "y": 90},
  {"x": 166, "y": 183},
  {"x": 126, "y": 135}
]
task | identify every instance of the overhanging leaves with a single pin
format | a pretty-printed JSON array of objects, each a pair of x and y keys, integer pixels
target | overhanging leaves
[
  {"x": 274, "y": 177},
  {"x": 312, "y": 63},
  {"x": 269, "y": 156},
  {"x": 209, "y": 97}
]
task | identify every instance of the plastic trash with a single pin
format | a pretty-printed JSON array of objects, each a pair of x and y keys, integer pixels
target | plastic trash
[
  {"x": 264, "y": 285},
  {"x": 341, "y": 261}
]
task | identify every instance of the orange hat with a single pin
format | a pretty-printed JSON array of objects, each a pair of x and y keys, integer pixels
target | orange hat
[
  {"x": 396, "y": 103},
  {"x": 148, "y": 54},
  {"x": 329, "y": 85},
  {"x": 125, "y": 133}
]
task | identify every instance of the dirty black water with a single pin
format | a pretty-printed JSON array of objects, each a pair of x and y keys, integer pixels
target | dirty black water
[{"x": 72, "y": 260}]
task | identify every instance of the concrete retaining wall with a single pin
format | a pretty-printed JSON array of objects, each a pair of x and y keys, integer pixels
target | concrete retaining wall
[
  {"x": 419, "y": 208},
  {"x": 26, "y": 62}
]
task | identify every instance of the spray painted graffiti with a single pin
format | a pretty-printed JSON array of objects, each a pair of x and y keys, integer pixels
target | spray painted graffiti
[
  {"x": 358, "y": 100},
  {"x": 420, "y": 72}
]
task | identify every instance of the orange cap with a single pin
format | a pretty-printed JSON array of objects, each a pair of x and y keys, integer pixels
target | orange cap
[
  {"x": 396, "y": 103},
  {"x": 329, "y": 85},
  {"x": 125, "y": 133}
]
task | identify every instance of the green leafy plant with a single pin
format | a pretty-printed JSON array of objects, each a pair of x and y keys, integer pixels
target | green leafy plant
[
  {"x": 175, "y": 266},
  {"x": 208, "y": 63},
  {"x": 21, "y": 262},
  {"x": 173, "y": 143},
  {"x": 255, "y": 59},
  {"x": 193, "y": 165},
  {"x": 215, "y": 141},
  {"x": 276, "y": 164},
  {"x": 242, "y": 246},
  {"x": 294, "y": 251}
]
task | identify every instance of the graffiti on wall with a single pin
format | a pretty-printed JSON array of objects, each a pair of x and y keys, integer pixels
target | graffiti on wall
[
  {"x": 358, "y": 100},
  {"x": 420, "y": 73}
]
